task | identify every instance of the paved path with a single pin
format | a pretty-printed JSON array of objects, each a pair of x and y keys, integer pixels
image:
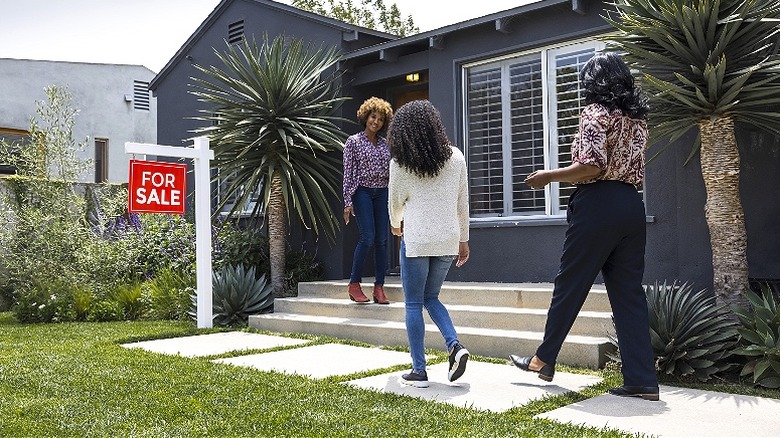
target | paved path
[{"x": 681, "y": 412}]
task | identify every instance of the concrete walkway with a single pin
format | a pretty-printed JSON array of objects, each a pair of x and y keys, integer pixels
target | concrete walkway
[{"x": 681, "y": 412}]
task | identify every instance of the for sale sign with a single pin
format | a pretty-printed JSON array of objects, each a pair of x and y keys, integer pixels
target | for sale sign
[{"x": 157, "y": 187}]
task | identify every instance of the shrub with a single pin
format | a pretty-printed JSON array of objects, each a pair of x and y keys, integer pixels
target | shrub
[
  {"x": 168, "y": 294},
  {"x": 235, "y": 244},
  {"x": 128, "y": 298},
  {"x": 760, "y": 338},
  {"x": 49, "y": 300},
  {"x": 301, "y": 266},
  {"x": 691, "y": 335},
  {"x": 238, "y": 294}
]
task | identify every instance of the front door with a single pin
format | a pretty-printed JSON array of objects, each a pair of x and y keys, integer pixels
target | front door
[{"x": 394, "y": 247}]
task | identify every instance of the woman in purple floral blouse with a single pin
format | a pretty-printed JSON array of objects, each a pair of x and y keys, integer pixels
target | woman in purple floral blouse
[
  {"x": 606, "y": 231},
  {"x": 366, "y": 174}
]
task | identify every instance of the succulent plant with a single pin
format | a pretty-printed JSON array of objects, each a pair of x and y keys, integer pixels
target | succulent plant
[
  {"x": 691, "y": 335},
  {"x": 238, "y": 294},
  {"x": 760, "y": 338}
]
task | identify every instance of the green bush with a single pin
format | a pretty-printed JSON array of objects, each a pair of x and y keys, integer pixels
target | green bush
[
  {"x": 244, "y": 244},
  {"x": 238, "y": 294},
  {"x": 300, "y": 266},
  {"x": 49, "y": 300},
  {"x": 760, "y": 338},
  {"x": 168, "y": 294},
  {"x": 128, "y": 298},
  {"x": 691, "y": 335}
]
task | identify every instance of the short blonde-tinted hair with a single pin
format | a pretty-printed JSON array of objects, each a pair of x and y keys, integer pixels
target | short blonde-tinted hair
[{"x": 375, "y": 104}]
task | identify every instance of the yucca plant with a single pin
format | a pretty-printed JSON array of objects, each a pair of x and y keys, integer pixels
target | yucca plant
[
  {"x": 691, "y": 335},
  {"x": 760, "y": 338},
  {"x": 708, "y": 66},
  {"x": 270, "y": 115},
  {"x": 238, "y": 294}
]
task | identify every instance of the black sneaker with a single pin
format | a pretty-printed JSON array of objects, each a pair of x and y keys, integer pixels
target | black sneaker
[
  {"x": 418, "y": 379},
  {"x": 458, "y": 358}
]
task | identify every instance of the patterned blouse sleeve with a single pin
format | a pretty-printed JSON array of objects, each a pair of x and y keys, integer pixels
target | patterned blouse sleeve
[
  {"x": 350, "y": 169},
  {"x": 592, "y": 137}
]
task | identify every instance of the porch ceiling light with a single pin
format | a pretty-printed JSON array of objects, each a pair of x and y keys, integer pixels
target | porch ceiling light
[{"x": 413, "y": 77}]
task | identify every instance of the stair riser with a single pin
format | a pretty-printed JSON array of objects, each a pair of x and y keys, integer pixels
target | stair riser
[
  {"x": 531, "y": 299},
  {"x": 585, "y": 355},
  {"x": 586, "y": 326}
]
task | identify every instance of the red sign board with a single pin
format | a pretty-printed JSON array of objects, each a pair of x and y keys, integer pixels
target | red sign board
[{"x": 157, "y": 187}]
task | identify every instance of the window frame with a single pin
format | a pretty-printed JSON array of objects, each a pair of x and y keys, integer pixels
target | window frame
[{"x": 551, "y": 149}]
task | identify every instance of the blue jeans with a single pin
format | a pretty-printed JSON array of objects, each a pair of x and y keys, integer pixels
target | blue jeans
[
  {"x": 422, "y": 278},
  {"x": 373, "y": 220}
]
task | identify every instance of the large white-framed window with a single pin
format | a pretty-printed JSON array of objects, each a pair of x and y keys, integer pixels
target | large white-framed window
[{"x": 521, "y": 112}]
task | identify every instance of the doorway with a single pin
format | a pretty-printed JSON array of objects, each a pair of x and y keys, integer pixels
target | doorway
[{"x": 400, "y": 98}]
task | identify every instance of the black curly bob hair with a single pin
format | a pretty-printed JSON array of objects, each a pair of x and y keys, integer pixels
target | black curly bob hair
[
  {"x": 417, "y": 139},
  {"x": 608, "y": 81}
]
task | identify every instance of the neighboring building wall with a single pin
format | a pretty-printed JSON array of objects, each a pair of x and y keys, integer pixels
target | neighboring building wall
[{"x": 113, "y": 103}]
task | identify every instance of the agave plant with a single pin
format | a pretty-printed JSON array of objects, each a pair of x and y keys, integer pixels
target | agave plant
[
  {"x": 760, "y": 338},
  {"x": 691, "y": 335},
  {"x": 238, "y": 294}
]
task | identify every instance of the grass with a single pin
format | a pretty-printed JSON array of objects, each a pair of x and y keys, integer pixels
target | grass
[{"x": 74, "y": 379}]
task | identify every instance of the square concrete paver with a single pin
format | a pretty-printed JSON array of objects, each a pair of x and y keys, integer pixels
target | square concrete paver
[
  {"x": 320, "y": 361},
  {"x": 214, "y": 343},
  {"x": 681, "y": 412},
  {"x": 484, "y": 386}
]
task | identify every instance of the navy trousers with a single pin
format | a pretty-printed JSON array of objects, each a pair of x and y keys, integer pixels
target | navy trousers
[{"x": 606, "y": 234}]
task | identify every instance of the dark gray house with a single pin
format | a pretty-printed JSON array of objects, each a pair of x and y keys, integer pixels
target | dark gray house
[{"x": 507, "y": 87}]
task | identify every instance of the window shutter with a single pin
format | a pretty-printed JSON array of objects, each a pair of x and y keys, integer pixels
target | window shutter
[
  {"x": 485, "y": 157},
  {"x": 527, "y": 133},
  {"x": 141, "y": 95}
]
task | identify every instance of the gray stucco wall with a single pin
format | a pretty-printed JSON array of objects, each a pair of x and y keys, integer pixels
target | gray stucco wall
[
  {"x": 678, "y": 241},
  {"x": 98, "y": 93}
]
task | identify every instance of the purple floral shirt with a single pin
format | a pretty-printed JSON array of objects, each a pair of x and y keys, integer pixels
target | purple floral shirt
[
  {"x": 612, "y": 142},
  {"x": 365, "y": 164}
]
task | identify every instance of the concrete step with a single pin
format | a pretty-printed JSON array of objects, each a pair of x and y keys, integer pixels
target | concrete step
[
  {"x": 517, "y": 295},
  {"x": 585, "y": 351},
  {"x": 589, "y": 323}
]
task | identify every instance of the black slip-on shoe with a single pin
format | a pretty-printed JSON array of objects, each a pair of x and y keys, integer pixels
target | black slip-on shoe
[
  {"x": 416, "y": 378},
  {"x": 643, "y": 392},
  {"x": 546, "y": 373}
]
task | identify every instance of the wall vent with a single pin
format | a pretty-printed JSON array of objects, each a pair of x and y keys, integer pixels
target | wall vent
[
  {"x": 235, "y": 32},
  {"x": 141, "y": 95}
]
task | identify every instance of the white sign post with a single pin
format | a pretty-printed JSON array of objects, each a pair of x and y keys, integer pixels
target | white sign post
[{"x": 201, "y": 155}]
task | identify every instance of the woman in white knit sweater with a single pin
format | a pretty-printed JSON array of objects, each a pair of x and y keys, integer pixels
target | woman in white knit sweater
[{"x": 428, "y": 206}]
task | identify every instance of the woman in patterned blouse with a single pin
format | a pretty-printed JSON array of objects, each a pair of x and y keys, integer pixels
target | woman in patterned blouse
[
  {"x": 366, "y": 164},
  {"x": 606, "y": 231}
]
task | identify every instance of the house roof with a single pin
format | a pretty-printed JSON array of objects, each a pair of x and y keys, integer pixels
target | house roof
[
  {"x": 223, "y": 5},
  {"x": 431, "y": 38}
]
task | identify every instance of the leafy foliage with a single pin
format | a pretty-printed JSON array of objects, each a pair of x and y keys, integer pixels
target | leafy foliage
[
  {"x": 760, "y": 338},
  {"x": 703, "y": 59},
  {"x": 271, "y": 112},
  {"x": 238, "y": 294},
  {"x": 246, "y": 244},
  {"x": 372, "y": 14},
  {"x": 691, "y": 335},
  {"x": 168, "y": 294}
]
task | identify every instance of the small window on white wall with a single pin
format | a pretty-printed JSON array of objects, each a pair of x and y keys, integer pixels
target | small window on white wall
[{"x": 521, "y": 113}]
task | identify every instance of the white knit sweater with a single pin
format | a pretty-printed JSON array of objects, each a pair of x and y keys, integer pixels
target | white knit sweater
[{"x": 434, "y": 211}]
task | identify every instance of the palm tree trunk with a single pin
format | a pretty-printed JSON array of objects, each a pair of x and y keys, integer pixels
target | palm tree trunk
[
  {"x": 277, "y": 233},
  {"x": 723, "y": 210}
]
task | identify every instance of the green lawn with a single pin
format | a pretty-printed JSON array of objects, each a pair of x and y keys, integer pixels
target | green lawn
[{"x": 75, "y": 379}]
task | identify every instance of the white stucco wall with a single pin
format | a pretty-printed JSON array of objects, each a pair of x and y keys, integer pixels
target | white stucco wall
[{"x": 98, "y": 92}]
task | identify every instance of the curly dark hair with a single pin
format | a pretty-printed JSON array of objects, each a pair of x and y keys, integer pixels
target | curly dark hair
[
  {"x": 608, "y": 81},
  {"x": 375, "y": 104},
  {"x": 417, "y": 139}
]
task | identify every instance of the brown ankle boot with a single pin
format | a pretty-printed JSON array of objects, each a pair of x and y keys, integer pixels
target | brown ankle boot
[
  {"x": 379, "y": 295},
  {"x": 356, "y": 293}
]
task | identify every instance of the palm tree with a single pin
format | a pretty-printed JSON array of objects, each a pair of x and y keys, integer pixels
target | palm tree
[
  {"x": 708, "y": 65},
  {"x": 271, "y": 121}
]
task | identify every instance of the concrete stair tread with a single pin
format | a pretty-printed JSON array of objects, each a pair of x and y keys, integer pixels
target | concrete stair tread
[
  {"x": 368, "y": 322},
  {"x": 450, "y": 307}
]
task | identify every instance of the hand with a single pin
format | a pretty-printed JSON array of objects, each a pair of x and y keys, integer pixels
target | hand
[
  {"x": 348, "y": 211},
  {"x": 397, "y": 231},
  {"x": 463, "y": 254},
  {"x": 538, "y": 179}
]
